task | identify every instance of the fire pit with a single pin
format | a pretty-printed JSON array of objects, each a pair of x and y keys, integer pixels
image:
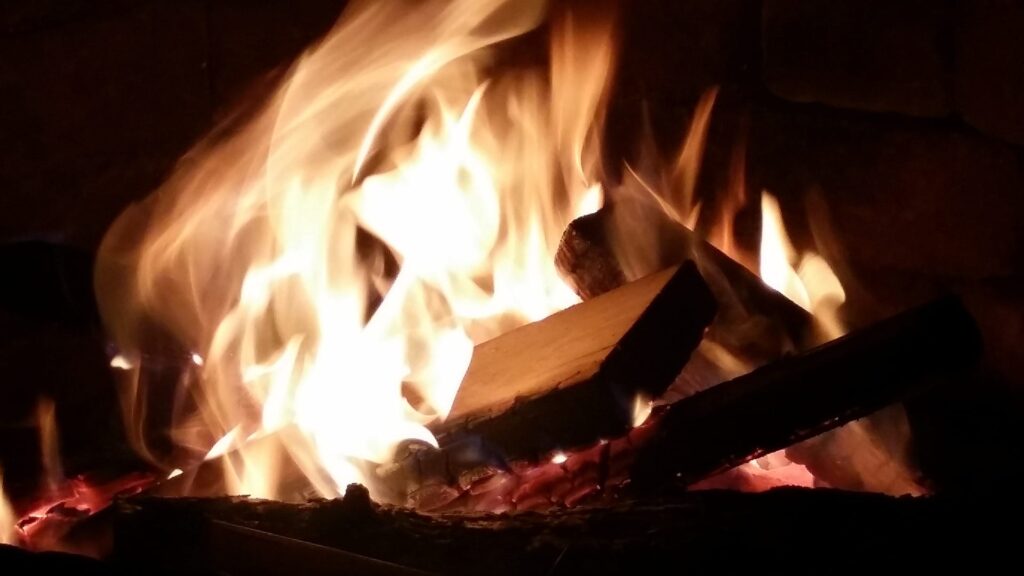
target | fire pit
[{"x": 476, "y": 286}]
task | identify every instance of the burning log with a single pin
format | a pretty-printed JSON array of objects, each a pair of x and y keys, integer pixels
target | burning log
[
  {"x": 799, "y": 397},
  {"x": 588, "y": 263},
  {"x": 696, "y": 530},
  {"x": 573, "y": 377}
]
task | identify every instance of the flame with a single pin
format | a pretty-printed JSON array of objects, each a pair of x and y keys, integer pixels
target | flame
[
  {"x": 8, "y": 521},
  {"x": 331, "y": 264},
  {"x": 642, "y": 408},
  {"x": 868, "y": 454},
  {"x": 806, "y": 279},
  {"x": 49, "y": 442}
]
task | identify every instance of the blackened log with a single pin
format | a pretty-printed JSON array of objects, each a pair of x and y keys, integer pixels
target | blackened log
[
  {"x": 596, "y": 398},
  {"x": 807, "y": 531},
  {"x": 799, "y": 397},
  {"x": 19, "y": 561},
  {"x": 563, "y": 382},
  {"x": 235, "y": 549},
  {"x": 586, "y": 260},
  {"x": 753, "y": 321}
]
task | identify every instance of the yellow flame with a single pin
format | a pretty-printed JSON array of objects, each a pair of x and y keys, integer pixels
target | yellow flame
[
  {"x": 8, "y": 521},
  {"x": 121, "y": 362},
  {"x": 49, "y": 442},
  {"x": 806, "y": 279},
  {"x": 642, "y": 408},
  {"x": 333, "y": 262}
]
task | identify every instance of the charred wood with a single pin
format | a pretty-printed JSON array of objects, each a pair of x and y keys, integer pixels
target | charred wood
[
  {"x": 801, "y": 396},
  {"x": 753, "y": 321},
  {"x": 564, "y": 382},
  {"x": 697, "y": 532}
]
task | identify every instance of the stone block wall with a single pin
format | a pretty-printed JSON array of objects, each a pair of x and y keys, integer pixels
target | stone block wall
[{"x": 930, "y": 58}]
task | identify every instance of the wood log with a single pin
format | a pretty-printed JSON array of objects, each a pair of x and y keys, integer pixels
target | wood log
[
  {"x": 807, "y": 531},
  {"x": 801, "y": 396},
  {"x": 572, "y": 378},
  {"x": 235, "y": 549},
  {"x": 754, "y": 321},
  {"x": 563, "y": 382},
  {"x": 20, "y": 561}
]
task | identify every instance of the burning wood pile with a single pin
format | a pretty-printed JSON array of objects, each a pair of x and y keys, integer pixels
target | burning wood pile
[{"x": 410, "y": 313}]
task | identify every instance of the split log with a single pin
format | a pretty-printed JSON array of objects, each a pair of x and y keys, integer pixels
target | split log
[
  {"x": 754, "y": 321},
  {"x": 799, "y": 397},
  {"x": 696, "y": 532},
  {"x": 562, "y": 382},
  {"x": 572, "y": 378}
]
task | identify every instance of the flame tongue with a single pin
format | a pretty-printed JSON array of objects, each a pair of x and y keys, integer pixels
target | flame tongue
[
  {"x": 808, "y": 280},
  {"x": 8, "y": 522},
  {"x": 390, "y": 207}
]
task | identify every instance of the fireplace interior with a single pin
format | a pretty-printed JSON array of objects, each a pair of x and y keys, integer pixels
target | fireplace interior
[{"x": 671, "y": 403}]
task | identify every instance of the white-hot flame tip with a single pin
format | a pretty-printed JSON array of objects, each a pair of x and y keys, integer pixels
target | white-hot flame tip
[
  {"x": 806, "y": 279},
  {"x": 121, "y": 362},
  {"x": 642, "y": 408}
]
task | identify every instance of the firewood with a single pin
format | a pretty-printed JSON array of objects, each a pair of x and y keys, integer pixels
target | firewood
[
  {"x": 572, "y": 378},
  {"x": 235, "y": 549},
  {"x": 563, "y": 382},
  {"x": 754, "y": 321},
  {"x": 697, "y": 532},
  {"x": 801, "y": 396},
  {"x": 627, "y": 338}
]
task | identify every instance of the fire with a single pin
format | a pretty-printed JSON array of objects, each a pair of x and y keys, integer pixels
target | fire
[
  {"x": 807, "y": 280},
  {"x": 8, "y": 521},
  {"x": 330, "y": 266},
  {"x": 325, "y": 269}
]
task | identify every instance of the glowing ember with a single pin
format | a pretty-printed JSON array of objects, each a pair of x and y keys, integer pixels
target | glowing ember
[
  {"x": 45, "y": 524},
  {"x": 42, "y": 521}
]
